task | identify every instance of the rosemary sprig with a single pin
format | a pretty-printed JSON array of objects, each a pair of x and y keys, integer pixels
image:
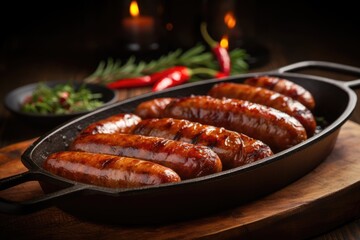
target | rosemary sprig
[
  {"x": 238, "y": 61},
  {"x": 198, "y": 56}
]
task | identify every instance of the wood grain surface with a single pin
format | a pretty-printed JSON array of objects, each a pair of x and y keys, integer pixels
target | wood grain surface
[{"x": 323, "y": 199}]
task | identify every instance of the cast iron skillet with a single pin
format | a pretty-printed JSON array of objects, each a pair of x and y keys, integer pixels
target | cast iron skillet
[{"x": 335, "y": 101}]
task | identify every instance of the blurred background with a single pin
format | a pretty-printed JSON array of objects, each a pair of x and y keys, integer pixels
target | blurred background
[
  {"x": 59, "y": 40},
  {"x": 93, "y": 30}
]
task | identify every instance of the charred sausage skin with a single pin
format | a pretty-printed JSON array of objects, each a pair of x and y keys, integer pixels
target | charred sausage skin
[
  {"x": 185, "y": 159},
  {"x": 284, "y": 87},
  {"x": 228, "y": 145},
  {"x": 273, "y": 127},
  {"x": 255, "y": 149},
  {"x": 107, "y": 170},
  {"x": 269, "y": 98},
  {"x": 119, "y": 123}
]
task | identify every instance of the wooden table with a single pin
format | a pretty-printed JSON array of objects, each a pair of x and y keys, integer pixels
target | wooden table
[{"x": 323, "y": 199}]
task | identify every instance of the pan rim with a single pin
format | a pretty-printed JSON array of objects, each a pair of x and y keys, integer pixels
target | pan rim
[{"x": 27, "y": 156}]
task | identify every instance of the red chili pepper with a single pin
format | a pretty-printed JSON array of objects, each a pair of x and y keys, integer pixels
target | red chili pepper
[
  {"x": 221, "y": 53},
  {"x": 169, "y": 77},
  {"x": 223, "y": 58},
  {"x": 131, "y": 82},
  {"x": 220, "y": 75},
  {"x": 175, "y": 76},
  {"x": 141, "y": 81}
]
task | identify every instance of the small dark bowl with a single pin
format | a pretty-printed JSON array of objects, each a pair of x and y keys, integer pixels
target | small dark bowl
[{"x": 15, "y": 98}]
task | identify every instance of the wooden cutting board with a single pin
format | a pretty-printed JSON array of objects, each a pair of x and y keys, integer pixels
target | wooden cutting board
[{"x": 323, "y": 199}]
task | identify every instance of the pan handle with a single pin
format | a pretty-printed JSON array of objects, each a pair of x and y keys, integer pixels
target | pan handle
[
  {"x": 32, "y": 205},
  {"x": 326, "y": 65}
]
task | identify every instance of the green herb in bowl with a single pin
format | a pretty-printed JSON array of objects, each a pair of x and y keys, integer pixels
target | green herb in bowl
[{"x": 61, "y": 99}]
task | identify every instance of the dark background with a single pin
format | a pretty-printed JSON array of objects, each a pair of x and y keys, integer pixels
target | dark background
[
  {"x": 90, "y": 29},
  {"x": 60, "y": 40}
]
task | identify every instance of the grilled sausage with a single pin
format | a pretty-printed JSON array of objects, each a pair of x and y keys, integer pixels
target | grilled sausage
[
  {"x": 255, "y": 149},
  {"x": 119, "y": 123},
  {"x": 269, "y": 98},
  {"x": 228, "y": 145},
  {"x": 152, "y": 108},
  {"x": 285, "y": 87},
  {"x": 107, "y": 170},
  {"x": 275, "y": 128},
  {"x": 186, "y": 159}
]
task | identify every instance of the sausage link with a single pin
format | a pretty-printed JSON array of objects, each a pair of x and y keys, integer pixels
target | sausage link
[
  {"x": 152, "y": 108},
  {"x": 254, "y": 149},
  {"x": 269, "y": 98},
  {"x": 228, "y": 145},
  {"x": 107, "y": 170},
  {"x": 186, "y": 159},
  {"x": 273, "y": 127},
  {"x": 119, "y": 123},
  {"x": 285, "y": 87}
]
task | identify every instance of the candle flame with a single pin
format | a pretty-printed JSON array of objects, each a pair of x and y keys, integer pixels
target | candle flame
[
  {"x": 224, "y": 42},
  {"x": 230, "y": 20},
  {"x": 134, "y": 9}
]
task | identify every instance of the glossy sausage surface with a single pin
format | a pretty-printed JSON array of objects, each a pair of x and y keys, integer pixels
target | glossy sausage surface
[
  {"x": 228, "y": 145},
  {"x": 107, "y": 170},
  {"x": 277, "y": 129},
  {"x": 152, "y": 108},
  {"x": 255, "y": 149},
  {"x": 119, "y": 123},
  {"x": 269, "y": 98},
  {"x": 285, "y": 87},
  {"x": 186, "y": 159}
]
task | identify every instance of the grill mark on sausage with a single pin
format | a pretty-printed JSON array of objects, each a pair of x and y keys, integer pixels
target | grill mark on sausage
[
  {"x": 107, "y": 162},
  {"x": 122, "y": 122},
  {"x": 186, "y": 159},
  {"x": 107, "y": 170},
  {"x": 273, "y": 127},
  {"x": 268, "y": 98},
  {"x": 284, "y": 86},
  {"x": 234, "y": 149}
]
